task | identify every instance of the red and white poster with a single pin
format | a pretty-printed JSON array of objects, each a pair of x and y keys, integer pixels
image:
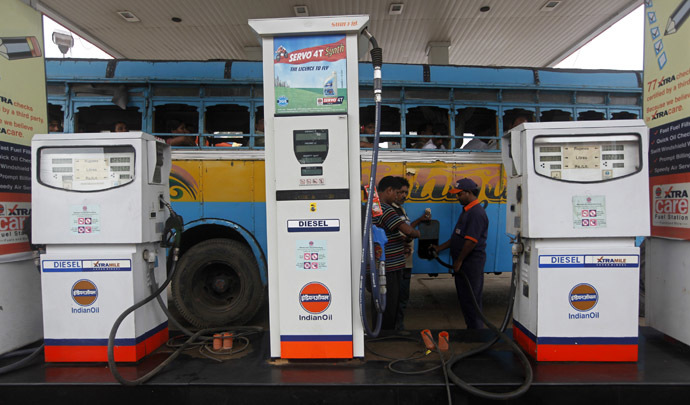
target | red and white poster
[
  {"x": 23, "y": 113},
  {"x": 667, "y": 114}
]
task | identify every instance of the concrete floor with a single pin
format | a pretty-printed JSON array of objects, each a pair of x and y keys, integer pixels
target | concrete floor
[{"x": 434, "y": 302}]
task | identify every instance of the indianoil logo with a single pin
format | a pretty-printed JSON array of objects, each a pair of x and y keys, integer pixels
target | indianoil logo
[
  {"x": 84, "y": 293},
  {"x": 583, "y": 297},
  {"x": 315, "y": 298}
]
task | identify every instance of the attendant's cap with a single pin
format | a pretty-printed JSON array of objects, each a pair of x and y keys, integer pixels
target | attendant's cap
[{"x": 464, "y": 185}]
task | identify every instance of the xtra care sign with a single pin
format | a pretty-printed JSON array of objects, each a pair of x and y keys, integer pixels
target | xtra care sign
[
  {"x": 23, "y": 112},
  {"x": 667, "y": 114}
]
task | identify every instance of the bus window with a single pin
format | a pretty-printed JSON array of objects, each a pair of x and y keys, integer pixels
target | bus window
[
  {"x": 102, "y": 118},
  {"x": 387, "y": 93},
  {"x": 477, "y": 122},
  {"x": 390, "y": 125},
  {"x": 584, "y": 97},
  {"x": 623, "y": 115},
  {"x": 227, "y": 91},
  {"x": 168, "y": 116},
  {"x": 174, "y": 91},
  {"x": 590, "y": 115},
  {"x": 55, "y": 118},
  {"x": 259, "y": 127},
  {"x": 519, "y": 96},
  {"x": 429, "y": 125},
  {"x": 258, "y": 92},
  {"x": 624, "y": 99},
  {"x": 227, "y": 123},
  {"x": 556, "y": 97},
  {"x": 515, "y": 117},
  {"x": 426, "y": 93},
  {"x": 555, "y": 115},
  {"x": 476, "y": 95}
]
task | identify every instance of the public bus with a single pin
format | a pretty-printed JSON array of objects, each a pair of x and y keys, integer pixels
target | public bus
[{"x": 217, "y": 183}]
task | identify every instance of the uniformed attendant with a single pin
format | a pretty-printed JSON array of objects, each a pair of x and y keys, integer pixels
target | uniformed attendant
[{"x": 468, "y": 249}]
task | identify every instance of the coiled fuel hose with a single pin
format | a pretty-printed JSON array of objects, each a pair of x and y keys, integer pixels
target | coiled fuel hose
[
  {"x": 172, "y": 237},
  {"x": 377, "y": 276},
  {"x": 500, "y": 334}
]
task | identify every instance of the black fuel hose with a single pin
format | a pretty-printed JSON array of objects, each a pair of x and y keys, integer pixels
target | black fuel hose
[
  {"x": 500, "y": 334},
  {"x": 368, "y": 259},
  {"x": 32, "y": 354}
]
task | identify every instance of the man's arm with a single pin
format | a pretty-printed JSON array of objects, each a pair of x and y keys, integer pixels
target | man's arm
[
  {"x": 425, "y": 217},
  {"x": 409, "y": 231},
  {"x": 445, "y": 245}
]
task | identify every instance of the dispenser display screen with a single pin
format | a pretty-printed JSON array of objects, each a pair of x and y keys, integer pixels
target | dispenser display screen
[
  {"x": 86, "y": 168},
  {"x": 311, "y": 145},
  {"x": 587, "y": 159}
]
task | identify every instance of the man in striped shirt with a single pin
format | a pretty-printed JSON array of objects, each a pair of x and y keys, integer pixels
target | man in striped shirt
[{"x": 391, "y": 222}]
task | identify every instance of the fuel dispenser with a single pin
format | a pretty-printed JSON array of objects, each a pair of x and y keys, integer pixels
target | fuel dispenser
[
  {"x": 311, "y": 115},
  {"x": 576, "y": 200},
  {"x": 97, "y": 206}
]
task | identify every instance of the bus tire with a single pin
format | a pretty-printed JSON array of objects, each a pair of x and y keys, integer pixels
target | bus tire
[{"x": 217, "y": 283}]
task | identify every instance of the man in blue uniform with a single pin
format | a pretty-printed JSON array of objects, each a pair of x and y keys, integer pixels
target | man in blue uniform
[{"x": 468, "y": 249}]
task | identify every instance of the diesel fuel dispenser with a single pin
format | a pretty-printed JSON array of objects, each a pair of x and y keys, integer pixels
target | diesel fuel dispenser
[
  {"x": 98, "y": 207},
  {"x": 313, "y": 208},
  {"x": 576, "y": 199}
]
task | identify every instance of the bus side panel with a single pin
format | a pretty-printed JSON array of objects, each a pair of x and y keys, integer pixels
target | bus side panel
[
  {"x": 185, "y": 189},
  {"x": 429, "y": 186},
  {"x": 235, "y": 190}
]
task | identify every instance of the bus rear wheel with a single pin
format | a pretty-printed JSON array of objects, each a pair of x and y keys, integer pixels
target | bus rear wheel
[{"x": 217, "y": 283}]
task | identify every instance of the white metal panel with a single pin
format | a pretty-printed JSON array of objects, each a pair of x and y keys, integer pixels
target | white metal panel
[
  {"x": 20, "y": 299},
  {"x": 548, "y": 207},
  {"x": 667, "y": 282},
  {"x": 130, "y": 213}
]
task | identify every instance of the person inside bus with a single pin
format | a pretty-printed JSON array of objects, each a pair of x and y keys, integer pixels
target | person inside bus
[
  {"x": 368, "y": 128},
  {"x": 120, "y": 126},
  {"x": 179, "y": 127},
  {"x": 480, "y": 141},
  {"x": 259, "y": 130},
  {"x": 440, "y": 131},
  {"x": 423, "y": 131},
  {"x": 54, "y": 126},
  {"x": 518, "y": 120}
]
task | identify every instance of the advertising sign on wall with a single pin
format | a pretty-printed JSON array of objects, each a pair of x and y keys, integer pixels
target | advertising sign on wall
[
  {"x": 22, "y": 114},
  {"x": 667, "y": 114}
]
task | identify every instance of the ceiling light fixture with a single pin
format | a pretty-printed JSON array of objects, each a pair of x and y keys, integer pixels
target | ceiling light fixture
[
  {"x": 550, "y": 5},
  {"x": 128, "y": 16},
  {"x": 396, "y": 8},
  {"x": 301, "y": 11}
]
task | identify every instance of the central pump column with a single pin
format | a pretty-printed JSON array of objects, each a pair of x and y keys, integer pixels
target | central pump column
[{"x": 313, "y": 206}]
